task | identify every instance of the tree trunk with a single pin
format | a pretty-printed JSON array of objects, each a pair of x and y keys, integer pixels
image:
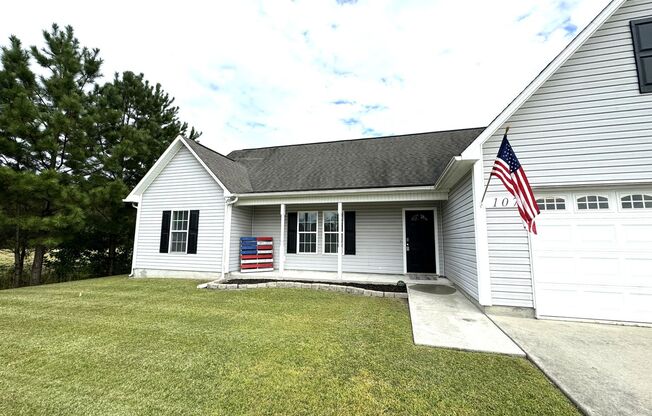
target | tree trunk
[
  {"x": 23, "y": 254},
  {"x": 37, "y": 264},
  {"x": 18, "y": 259},
  {"x": 112, "y": 249}
]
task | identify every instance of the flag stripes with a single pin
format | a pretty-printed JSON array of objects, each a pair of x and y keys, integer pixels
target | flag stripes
[{"x": 510, "y": 172}]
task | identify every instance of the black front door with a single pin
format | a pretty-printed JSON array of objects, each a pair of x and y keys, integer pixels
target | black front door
[{"x": 420, "y": 241}]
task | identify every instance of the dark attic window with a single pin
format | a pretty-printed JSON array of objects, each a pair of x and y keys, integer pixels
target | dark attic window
[{"x": 642, "y": 37}]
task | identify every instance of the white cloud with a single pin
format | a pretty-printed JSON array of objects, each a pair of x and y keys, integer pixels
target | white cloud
[{"x": 256, "y": 74}]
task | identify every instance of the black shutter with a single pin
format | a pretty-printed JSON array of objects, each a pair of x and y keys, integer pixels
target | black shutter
[
  {"x": 165, "y": 232},
  {"x": 193, "y": 228},
  {"x": 349, "y": 232},
  {"x": 292, "y": 232},
  {"x": 642, "y": 37}
]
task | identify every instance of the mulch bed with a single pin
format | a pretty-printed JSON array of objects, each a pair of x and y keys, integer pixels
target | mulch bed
[{"x": 398, "y": 288}]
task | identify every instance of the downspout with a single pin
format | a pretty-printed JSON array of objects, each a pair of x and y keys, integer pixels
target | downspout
[
  {"x": 226, "y": 244},
  {"x": 133, "y": 254}
]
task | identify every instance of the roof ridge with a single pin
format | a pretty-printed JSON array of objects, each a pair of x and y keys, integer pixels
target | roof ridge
[
  {"x": 355, "y": 140},
  {"x": 211, "y": 150}
]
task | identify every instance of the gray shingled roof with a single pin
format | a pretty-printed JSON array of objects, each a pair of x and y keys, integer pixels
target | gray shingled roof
[
  {"x": 395, "y": 161},
  {"x": 232, "y": 174}
]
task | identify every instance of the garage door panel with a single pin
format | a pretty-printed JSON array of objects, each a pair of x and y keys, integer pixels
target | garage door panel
[
  {"x": 595, "y": 236},
  {"x": 637, "y": 237},
  {"x": 638, "y": 271},
  {"x": 597, "y": 303},
  {"x": 640, "y": 305},
  {"x": 551, "y": 268},
  {"x": 555, "y": 236},
  {"x": 602, "y": 270},
  {"x": 594, "y": 266}
]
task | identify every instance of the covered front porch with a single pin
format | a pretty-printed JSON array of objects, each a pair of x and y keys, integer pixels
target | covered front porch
[{"x": 382, "y": 241}]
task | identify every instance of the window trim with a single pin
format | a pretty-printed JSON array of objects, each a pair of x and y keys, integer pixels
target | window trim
[
  {"x": 172, "y": 231},
  {"x": 316, "y": 232},
  {"x": 324, "y": 232},
  {"x": 622, "y": 195},
  {"x": 576, "y": 203}
]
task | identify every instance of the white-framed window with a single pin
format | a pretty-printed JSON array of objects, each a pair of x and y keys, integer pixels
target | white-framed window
[
  {"x": 179, "y": 231},
  {"x": 331, "y": 232},
  {"x": 551, "y": 204},
  {"x": 636, "y": 201},
  {"x": 307, "y": 231},
  {"x": 592, "y": 202}
]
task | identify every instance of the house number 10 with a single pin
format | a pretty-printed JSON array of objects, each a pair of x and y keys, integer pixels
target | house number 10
[{"x": 504, "y": 202}]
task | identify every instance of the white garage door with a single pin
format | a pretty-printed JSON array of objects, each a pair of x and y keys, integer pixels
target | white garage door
[{"x": 592, "y": 258}]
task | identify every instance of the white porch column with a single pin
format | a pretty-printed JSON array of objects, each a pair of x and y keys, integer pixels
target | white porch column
[
  {"x": 281, "y": 249},
  {"x": 340, "y": 238},
  {"x": 226, "y": 236}
]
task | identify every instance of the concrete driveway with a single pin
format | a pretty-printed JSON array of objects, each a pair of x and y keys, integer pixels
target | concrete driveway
[{"x": 604, "y": 369}]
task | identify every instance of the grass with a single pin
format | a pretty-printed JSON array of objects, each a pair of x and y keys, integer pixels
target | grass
[
  {"x": 6, "y": 258},
  {"x": 118, "y": 346}
]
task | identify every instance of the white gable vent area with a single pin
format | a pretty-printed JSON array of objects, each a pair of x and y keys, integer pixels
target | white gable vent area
[{"x": 592, "y": 258}]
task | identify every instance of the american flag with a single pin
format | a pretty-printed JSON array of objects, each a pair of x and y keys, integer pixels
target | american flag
[{"x": 508, "y": 169}]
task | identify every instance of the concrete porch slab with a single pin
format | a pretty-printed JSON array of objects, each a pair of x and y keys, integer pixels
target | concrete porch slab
[
  {"x": 370, "y": 278},
  {"x": 443, "y": 317}
]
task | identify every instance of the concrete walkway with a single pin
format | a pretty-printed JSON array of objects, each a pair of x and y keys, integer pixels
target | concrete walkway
[
  {"x": 443, "y": 317},
  {"x": 604, "y": 369}
]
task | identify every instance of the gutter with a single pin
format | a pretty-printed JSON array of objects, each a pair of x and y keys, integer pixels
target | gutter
[
  {"x": 344, "y": 191},
  {"x": 133, "y": 253},
  {"x": 456, "y": 168}
]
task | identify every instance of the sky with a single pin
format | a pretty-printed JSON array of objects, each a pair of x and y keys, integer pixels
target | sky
[{"x": 266, "y": 73}]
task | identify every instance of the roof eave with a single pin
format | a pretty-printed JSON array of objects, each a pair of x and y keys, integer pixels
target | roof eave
[
  {"x": 336, "y": 191},
  {"x": 455, "y": 170}
]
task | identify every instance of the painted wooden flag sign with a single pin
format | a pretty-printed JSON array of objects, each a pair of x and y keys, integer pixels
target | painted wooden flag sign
[{"x": 256, "y": 254}]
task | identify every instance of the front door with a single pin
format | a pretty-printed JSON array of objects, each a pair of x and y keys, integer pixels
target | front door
[{"x": 420, "y": 241}]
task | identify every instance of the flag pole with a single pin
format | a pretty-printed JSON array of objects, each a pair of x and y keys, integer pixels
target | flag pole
[{"x": 490, "y": 176}]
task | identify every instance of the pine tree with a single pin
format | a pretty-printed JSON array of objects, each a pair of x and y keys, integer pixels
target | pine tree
[
  {"x": 135, "y": 122},
  {"x": 70, "y": 151},
  {"x": 19, "y": 127},
  {"x": 59, "y": 153}
]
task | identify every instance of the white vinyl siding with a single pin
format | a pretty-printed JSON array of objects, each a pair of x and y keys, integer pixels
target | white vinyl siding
[
  {"x": 266, "y": 222},
  {"x": 241, "y": 226},
  {"x": 509, "y": 258},
  {"x": 379, "y": 237},
  {"x": 587, "y": 125},
  {"x": 459, "y": 237},
  {"x": 183, "y": 184}
]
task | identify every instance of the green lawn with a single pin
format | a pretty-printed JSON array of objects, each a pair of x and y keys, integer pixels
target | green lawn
[{"x": 153, "y": 346}]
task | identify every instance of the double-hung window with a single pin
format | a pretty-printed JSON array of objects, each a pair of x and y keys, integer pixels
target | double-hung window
[
  {"x": 331, "y": 232},
  {"x": 307, "y": 230},
  {"x": 179, "y": 232}
]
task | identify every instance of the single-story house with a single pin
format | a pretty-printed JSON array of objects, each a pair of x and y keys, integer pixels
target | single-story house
[{"x": 412, "y": 204}]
